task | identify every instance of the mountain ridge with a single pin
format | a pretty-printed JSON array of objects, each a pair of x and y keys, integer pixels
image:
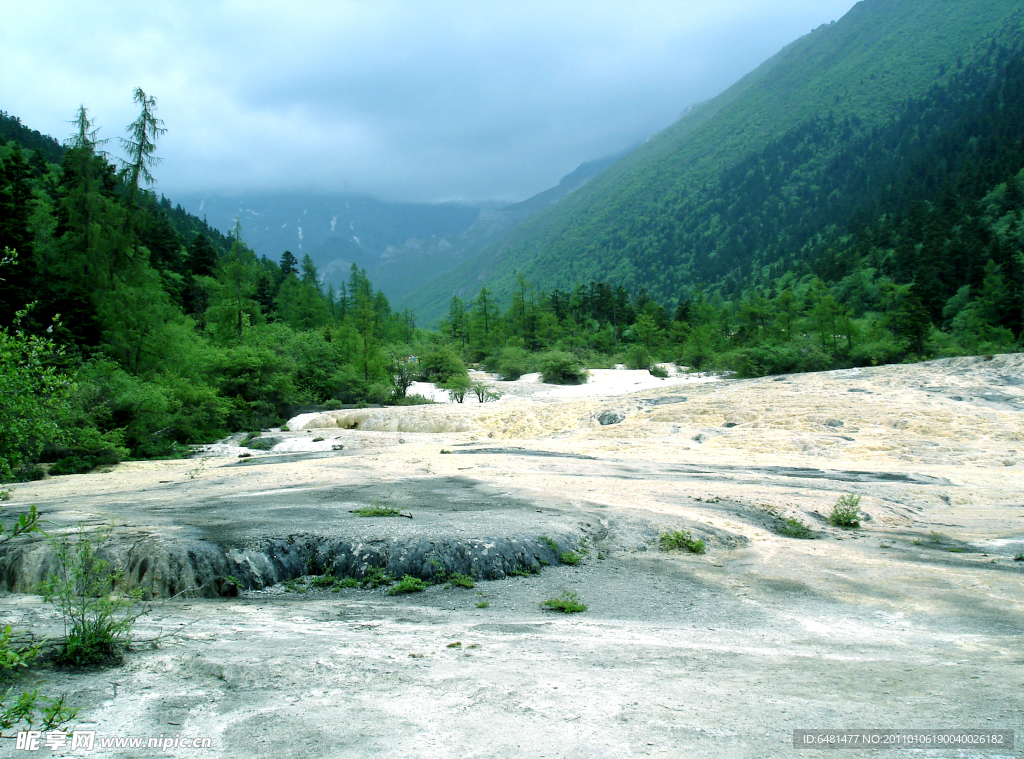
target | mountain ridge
[{"x": 620, "y": 227}]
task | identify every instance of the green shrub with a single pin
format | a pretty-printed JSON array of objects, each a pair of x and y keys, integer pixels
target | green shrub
[
  {"x": 412, "y": 400},
  {"x": 680, "y": 540},
  {"x": 28, "y": 708},
  {"x": 569, "y": 602},
  {"x": 376, "y": 577},
  {"x": 638, "y": 357},
  {"x": 514, "y": 363},
  {"x": 483, "y": 393},
  {"x": 441, "y": 364},
  {"x": 561, "y": 368},
  {"x": 381, "y": 508},
  {"x": 658, "y": 371},
  {"x": 33, "y": 393},
  {"x": 482, "y": 604},
  {"x": 348, "y": 582},
  {"x": 458, "y": 580},
  {"x": 571, "y": 558},
  {"x": 97, "y": 619},
  {"x": 325, "y": 582},
  {"x": 30, "y": 474},
  {"x": 458, "y": 388},
  {"x": 794, "y": 528},
  {"x": 408, "y": 584},
  {"x": 71, "y": 465},
  {"x": 846, "y": 512}
]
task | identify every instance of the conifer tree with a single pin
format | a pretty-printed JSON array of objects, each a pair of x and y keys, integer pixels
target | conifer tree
[{"x": 141, "y": 145}]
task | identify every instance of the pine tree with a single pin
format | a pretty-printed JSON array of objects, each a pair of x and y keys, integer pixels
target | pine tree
[
  {"x": 141, "y": 145},
  {"x": 289, "y": 264}
]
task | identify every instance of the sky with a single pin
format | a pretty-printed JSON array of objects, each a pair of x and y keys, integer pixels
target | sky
[{"x": 411, "y": 100}]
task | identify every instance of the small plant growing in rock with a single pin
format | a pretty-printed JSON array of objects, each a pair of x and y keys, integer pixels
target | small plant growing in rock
[
  {"x": 35, "y": 711},
  {"x": 551, "y": 544},
  {"x": 325, "y": 582},
  {"x": 935, "y": 537},
  {"x": 482, "y": 604},
  {"x": 568, "y": 602},
  {"x": 97, "y": 620},
  {"x": 458, "y": 580},
  {"x": 376, "y": 510},
  {"x": 846, "y": 512},
  {"x": 794, "y": 528},
  {"x": 1019, "y": 557},
  {"x": 408, "y": 584},
  {"x": 377, "y": 577},
  {"x": 681, "y": 540},
  {"x": 571, "y": 558}
]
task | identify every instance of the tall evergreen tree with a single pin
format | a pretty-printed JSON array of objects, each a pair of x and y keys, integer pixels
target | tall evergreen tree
[{"x": 141, "y": 145}]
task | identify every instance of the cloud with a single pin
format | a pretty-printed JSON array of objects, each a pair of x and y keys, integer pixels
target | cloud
[{"x": 413, "y": 100}]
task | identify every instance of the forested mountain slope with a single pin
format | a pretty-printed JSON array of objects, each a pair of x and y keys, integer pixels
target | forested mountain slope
[{"x": 750, "y": 178}]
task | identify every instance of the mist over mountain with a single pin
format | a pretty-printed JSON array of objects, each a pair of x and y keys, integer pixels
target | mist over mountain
[
  {"x": 402, "y": 246},
  {"x": 736, "y": 190}
]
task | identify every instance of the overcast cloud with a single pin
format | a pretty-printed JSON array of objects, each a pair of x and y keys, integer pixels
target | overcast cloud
[{"x": 413, "y": 100}]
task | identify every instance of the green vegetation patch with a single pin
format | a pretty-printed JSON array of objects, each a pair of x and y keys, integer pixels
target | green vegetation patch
[
  {"x": 458, "y": 580},
  {"x": 846, "y": 512},
  {"x": 568, "y": 602},
  {"x": 679, "y": 540},
  {"x": 376, "y": 510},
  {"x": 408, "y": 584},
  {"x": 794, "y": 528}
]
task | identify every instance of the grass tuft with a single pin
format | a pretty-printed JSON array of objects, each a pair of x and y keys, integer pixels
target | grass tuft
[
  {"x": 569, "y": 603},
  {"x": 408, "y": 584},
  {"x": 794, "y": 528},
  {"x": 376, "y": 510},
  {"x": 460, "y": 581},
  {"x": 680, "y": 540}
]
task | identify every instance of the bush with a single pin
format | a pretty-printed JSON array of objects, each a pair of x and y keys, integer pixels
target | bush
[
  {"x": 638, "y": 357},
  {"x": 483, "y": 393},
  {"x": 30, "y": 474},
  {"x": 571, "y": 558},
  {"x": 569, "y": 602},
  {"x": 794, "y": 528},
  {"x": 846, "y": 512},
  {"x": 441, "y": 364},
  {"x": 408, "y": 584},
  {"x": 679, "y": 540},
  {"x": 458, "y": 388},
  {"x": 658, "y": 371},
  {"x": 30, "y": 708},
  {"x": 33, "y": 395},
  {"x": 71, "y": 465},
  {"x": 97, "y": 620},
  {"x": 377, "y": 577},
  {"x": 560, "y": 368},
  {"x": 413, "y": 400},
  {"x": 458, "y": 580},
  {"x": 514, "y": 363}
]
